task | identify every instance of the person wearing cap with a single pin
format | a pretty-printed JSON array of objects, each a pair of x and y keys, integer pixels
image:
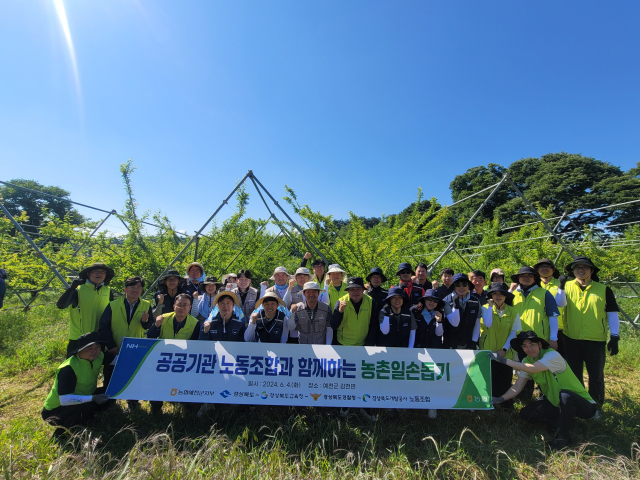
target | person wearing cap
[
  {"x": 564, "y": 396},
  {"x": 294, "y": 294},
  {"x": 463, "y": 315},
  {"x": 497, "y": 275},
  {"x": 170, "y": 285},
  {"x": 479, "y": 281},
  {"x": 224, "y": 324},
  {"x": 429, "y": 315},
  {"x": 318, "y": 266},
  {"x": 75, "y": 396},
  {"x": 500, "y": 324},
  {"x": 268, "y": 324},
  {"x": 281, "y": 277},
  {"x": 312, "y": 318},
  {"x": 194, "y": 276},
  {"x": 589, "y": 307},
  {"x": 414, "y": 290},
  {"x": 336, "y": 284},
  {"x": 397, "y": 323},
  {"x": 179, "y": 324},
  {"x": 205, "y": 302},
  {"x": 446, "y": 276},
  {"x": 378, "y": 296},
  {"x": 549, "y": 275},
  {"x": 537, "y": 307},
  {"x": 247, "y": 295},
  {"x": 422, "y": 271},
  {"x": 352, "y": 315},
  {"x": 126, "y": 316},
  {"x": 86, "y": 298},
  {"x": 230, "y": 281}
]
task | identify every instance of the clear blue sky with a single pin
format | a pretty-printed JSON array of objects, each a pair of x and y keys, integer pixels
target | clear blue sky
[{"x": 352, "y": 104}]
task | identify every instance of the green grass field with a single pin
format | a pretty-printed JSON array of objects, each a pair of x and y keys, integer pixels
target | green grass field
[{"x": 281, "y": 442}]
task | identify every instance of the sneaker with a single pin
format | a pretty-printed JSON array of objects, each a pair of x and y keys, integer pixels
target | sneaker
[
  {"x": 432, "y": 413},
  {"x": 597, "y": 416},
  {"x": 344, "y": 411},
  {"x": 371, "y": 418}
]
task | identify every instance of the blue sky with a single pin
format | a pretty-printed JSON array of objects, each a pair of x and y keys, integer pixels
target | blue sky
[{"x": 352, "y": 104}]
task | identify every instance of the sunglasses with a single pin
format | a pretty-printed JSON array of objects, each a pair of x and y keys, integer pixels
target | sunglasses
[{"x": 461, "y": 284}]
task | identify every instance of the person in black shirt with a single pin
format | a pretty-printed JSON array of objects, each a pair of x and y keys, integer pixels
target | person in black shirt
[{"x": 378, "y": 295}]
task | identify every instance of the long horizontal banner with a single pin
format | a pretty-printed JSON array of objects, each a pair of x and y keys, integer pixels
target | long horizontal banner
[{"x": 305, "y": 375}]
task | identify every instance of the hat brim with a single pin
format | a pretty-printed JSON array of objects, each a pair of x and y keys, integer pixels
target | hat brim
[
  {"x": 163, "y": 280},
  {"x": 226, "y": 293},
  {"x": 516, "y": 343},
  {"x": 262, "y": 300},
  {"x": 508, "y": 295},
  {"x": 78, "y": 350},
  {"x": 84, "y": 274},
  {"x": 384, "y": 279},
  {"x": 556, "y": 273},
  {"x": 354, "y": 286},
  {"x": 439, "y": 301}
]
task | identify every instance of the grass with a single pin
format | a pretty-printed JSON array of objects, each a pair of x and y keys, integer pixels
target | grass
[{"x": 283, "y": 442}]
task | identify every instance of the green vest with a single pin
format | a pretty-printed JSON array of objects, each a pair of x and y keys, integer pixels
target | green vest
[
  {"x": 552, "y": 288},
  {"x": 495, "y": 337},
  {"x": 335, "y": 295},
  {"x": 551, "y": 383},
  {"x": 86, "y": 378},
  {"x": 584, "y": 313},
  {"x": 533, "y": 315},
  {"x": 355, "y": 326},
  {"x": 86, "y": 316},
  {"x": 119, "y": 326},
  {"x": 166, "y": 329}
]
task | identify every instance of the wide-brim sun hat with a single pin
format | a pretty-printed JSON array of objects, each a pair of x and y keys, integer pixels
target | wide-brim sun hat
[
  {"x": 224, "y": 278},
  {"x": 516, "y": 343},
  {"x": 542, "y": 261},
  {"x": 376, "y": 271},
  {"x": 225, "y": 293},
  {"x": 196, "y": 264},
  {"x": 280, "y": 270},
  {"x": 431, "y": 294},
  {"x": 270, "y": 296},
  {"x": 311, "y": 286},
  {"x": 303, "y": 271},
  {"x": 496, "y": 271},
  {"x": 87, "y": 340},
  {"x": 459, "y": 277},
  {"x": 335, "y": 268},
  {"x": 212, "y": 281},
  {"x": 396, "y": 292},
  {"x": 500, "y": 287},
  {"x": 583, "y": 261},
  {"x": 171, "y": 273},
  {"x": 523, "y": 270},
  {"x": 405, "y": 266},
  {"x": 84, "y": 274}
]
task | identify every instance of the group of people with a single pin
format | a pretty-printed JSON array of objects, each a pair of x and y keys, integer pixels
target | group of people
[{"x": 545, "y": 325}]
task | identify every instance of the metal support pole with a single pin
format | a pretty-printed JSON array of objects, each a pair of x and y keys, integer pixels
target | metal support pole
[
  {"x": 195, "y": 255},
  {"x": 463, "y": 259},
  {"x": 35, "y": 247},
  {"x": 245, "y": 247},
  {"x": 177, "y": 257},
  {"x": 466, "y": 226},
  {"x": 265, "y": 249},
  {"x": 290, "y": 220},
  {"x": 544, "y": 222}
]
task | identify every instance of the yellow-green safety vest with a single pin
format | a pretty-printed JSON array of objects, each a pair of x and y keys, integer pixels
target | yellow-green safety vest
[
  {"x": 552, "y": 288},
  {"x": 119, "y": 325},
  {"x": 335, "y": 295},
  {"x": 166, "y": 329},
  {"x": 533, "y": 315},
  {"x": 86, "y": 378},
  {"x": 85, "y": 318},
  {"x": 584, "y": 314},
  {"x": 494, "y": 337},
  {"x": 355, "y": 326}
]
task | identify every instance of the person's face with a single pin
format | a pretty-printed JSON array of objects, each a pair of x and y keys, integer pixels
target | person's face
[
  {"x": 243, "y": 282},
  {"x": 421, "y": 273},
  {"x": 526, "y": 279},
  {"x": 396, "y": 301},
  {"x": 430, "y": 304},
  {"x": 479, "y": 283},
  {"x": 355, "y": 294},
  {"x": 497, "y": 278},
  {"x": 312, "y": 297},
  {"x": 471, "y": 276},
  {"x": 133, "y": 292},
  {"x": 281, "y": 278},
  {"x": 210, "y": 288},
  {"x": 446, "y": 279},
  {"x": 461, "y": 287},
  {"x": 270, "y": 307},
  {"x": 545, "y": 270},
  {"x": 172, "y": 283},
  {"x": 182, "y": 307},
  {"x": 532, "y": 348},
  {"x": 375, "y": 280},
  {"x": 582, "y": 271},
  {"x": 301, "y": 278},
  {"x": 405, "y": 275},
  {"x": 225, "y": 305},
  {"x": 97, "y": 276},
  {"x": 336, "y": 278},
  {"x": 498, "y": 298},
  {"x": 91, "y": 352},
  {"x": 195, "y": 272},
  {"x": 318, "y": 270}
]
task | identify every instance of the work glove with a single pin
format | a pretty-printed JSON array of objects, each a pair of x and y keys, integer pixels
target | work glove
[
  {"x": 612, "y": 346},
  {"x": 76, "y": 283},
  {"x": 496, "y": 400},
  {"x": 562, "y": 279},
  {"x": 100, "y": 398},
  {"x": 496, "y": 358}
]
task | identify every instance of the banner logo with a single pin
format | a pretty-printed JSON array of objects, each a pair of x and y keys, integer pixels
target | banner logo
[
  {"x": 174, "y": 392},
  {"x": 264, "y": 395},
  {"x": 315, "y": 396},
  {"x": 225, "y": 394},
  {"x": 365, "y": 397}
]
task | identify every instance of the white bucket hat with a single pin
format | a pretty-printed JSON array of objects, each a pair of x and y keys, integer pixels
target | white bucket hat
[
  {"x": 279, "y": 270},
  {"x": 303, "y": 271},
  {"x": 335, "y": 268},
  {"x": 311, "y": 286}
]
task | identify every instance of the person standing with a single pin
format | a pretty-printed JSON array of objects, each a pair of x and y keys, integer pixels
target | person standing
[
  {"x": 463, "y": 315},
  {"x": 396, "y": 321},
  {"x": 170, "y": 285},
  {"x": 429, "y": 314},
  {"x": 3, "y": 286},
  {"x": 247, "y": 295},
  {"x": 352, "y": 315},
  {"x": 414, "y": 290},
  {"x": 268, "y": 324},
  {"x": 86, "y": 298},
  {"x": 337, "y": 286},
  {"x": 211, "y": 285},
  {"x": 564, "y": 396},
  {"x": 549, "y": 275},
  {"x": 590, "y": 307},
  {"x": 378, "y": 296},
  {"x": 479, "y": 281},
  {"x": 422, "y": 270},
  {"x": 312, "y": 318},
  {"x": 446, "y": 276}
]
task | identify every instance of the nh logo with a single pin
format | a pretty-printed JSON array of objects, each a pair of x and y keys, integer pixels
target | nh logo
[{"x": 131, "y": 345}]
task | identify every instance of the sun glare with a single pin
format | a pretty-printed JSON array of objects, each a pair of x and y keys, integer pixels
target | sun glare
[{"x": 62, "y": 15}]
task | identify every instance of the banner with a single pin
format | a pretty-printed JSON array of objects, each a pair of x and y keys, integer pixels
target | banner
[{"x": 304, "y": 375}]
